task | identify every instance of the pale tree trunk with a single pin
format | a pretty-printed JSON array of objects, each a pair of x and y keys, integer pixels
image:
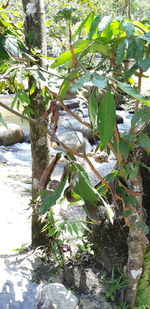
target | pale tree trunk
[
  {"x": 127, "y": 9},
  {"x": 137, "y": 243},
  {"x": 35, "y": 34}
]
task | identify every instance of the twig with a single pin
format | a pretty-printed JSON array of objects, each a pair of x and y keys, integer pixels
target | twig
[
  {"x": 4, "y": 6},
  {"x": 139, "y": 89},
  {"x": 17, "y": 113}
]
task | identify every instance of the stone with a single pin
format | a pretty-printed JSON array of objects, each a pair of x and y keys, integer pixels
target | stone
[
  {"x": 69, "y": 123},
  {"x": 74, "y": 140},
  {"x": 94, "y": 304},
  {"x": 26, "y": 137},
  {"x": 11, "y": 135},
  {"x": 72, "y": 103},
  {"x": 70, "y": 95},
  {"x": 119, "y": 119},
  {"x": 55, "y": 296}
]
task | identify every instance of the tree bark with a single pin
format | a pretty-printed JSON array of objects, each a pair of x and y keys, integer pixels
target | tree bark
[
  {"x": 35, "y": 34},
  {"x": 137, "y": 243}
]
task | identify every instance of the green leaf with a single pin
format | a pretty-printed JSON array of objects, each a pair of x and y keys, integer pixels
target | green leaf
[
  {"x": 33, "y": 88},
  {"x": 82, "y": 43},
  {"x": 84, "y": 187},
  {"x": 66, "y": 85},
  {"x": 127, "y": 213},
  {"x": 2, "y": 121},
  {"x": 100, "y": 47},
  {"x": 93, "y": 109},
  {"x": 11, "y": 46},
  {"x": 104, "y": 23},
  {"x": 70, "y": 229},
  {"x": 106, "y": 118},
  {"x": 131, "y": 49},
  {"x": 144, "y": 141},
  {"x": 94, "y": 26},
  {"x": 99, "y": 81},
  {"x": 120, "y": 52},
  {"x": 81, "y": 81},
  {"x": 139, "y": 224},
  {"x": 136, "y": 117},
  {"x": 133, "y": 92},
  {"x": 139, "y": 52},
  {"x": 75, "y": 228},
  {"x": 134, "y": 172},
  {"x": 65, "y": 57},
  {"x": 109, "y": 210},
  {"x": 85, "y": 24},
  {"x": 124, "y": 148},
  {"x": 128, "y": 27},
  {"x": 15, "y": 100},
  {"x": 146, "y": 37},
  {"x": 146, "y": 229},
  {"x": 144, "y": 64},
  {"x": 133, "y": 218},
  {"x": 23, "y": 97},
  {"x": 133, "y": 200},
  {"x": 53, "y": 197},
  {"x": 132, "y": 70}
]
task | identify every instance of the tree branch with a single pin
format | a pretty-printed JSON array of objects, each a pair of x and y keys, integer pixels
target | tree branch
[{"x": 17, "y": 113}]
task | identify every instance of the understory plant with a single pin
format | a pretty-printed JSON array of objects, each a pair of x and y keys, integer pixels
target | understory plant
[{"x": 125, "y": 46}]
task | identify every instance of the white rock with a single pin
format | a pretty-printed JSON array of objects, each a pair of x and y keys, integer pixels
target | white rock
[
  {"x": 75, "y": 141},
  {"x": 11, "y": 135},
  {"x": 55, "y": 295}
]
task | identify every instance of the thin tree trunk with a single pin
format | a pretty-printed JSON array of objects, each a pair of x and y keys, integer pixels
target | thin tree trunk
[
  {"x": 137, "y": 242},
  {"x": 35, "y": 34}
]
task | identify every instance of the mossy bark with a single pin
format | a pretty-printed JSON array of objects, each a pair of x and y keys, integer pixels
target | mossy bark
[{"x": 35, "y": 34}]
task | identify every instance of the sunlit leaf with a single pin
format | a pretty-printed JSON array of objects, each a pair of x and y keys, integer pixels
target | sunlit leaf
[
  {"x": 104, "y": 23},
  {"x": 85, "y": 24},
  {"x": 128, "y": 27},
  {"x": 133, "y": 92},
  {"x": 53, "y": 197},
  {"x": 65, "y": 57},
  {"x": 65, "y": 86},
  {"x": 81, "y": 81},
  {"x": 98, "y": 46},
  {"x": 94, "y": 26},
  {"x": 11, "y": 46},
  {"x": 99, "y": 81}
]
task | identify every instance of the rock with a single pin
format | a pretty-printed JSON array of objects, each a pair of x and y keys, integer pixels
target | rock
[
  {"x": 119, "y": 119},
  {"x": 26, "y": 137},
  {"x": 109, "y": 242},
  {"x": 94, "y": 304},
  {"x": 55, "y": 295},
  {"x": 72, "y": 103},
  {"x": 73, "y": 140},
  {"x": 70, "y": 95},
  {"x": 11, "y": 135},
  {"x": 69, "y": 123}
]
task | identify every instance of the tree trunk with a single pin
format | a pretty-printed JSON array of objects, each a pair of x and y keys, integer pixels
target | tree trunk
[
  {"x": 137, "y": 242},
  {"x": 35, "y": 34}
]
